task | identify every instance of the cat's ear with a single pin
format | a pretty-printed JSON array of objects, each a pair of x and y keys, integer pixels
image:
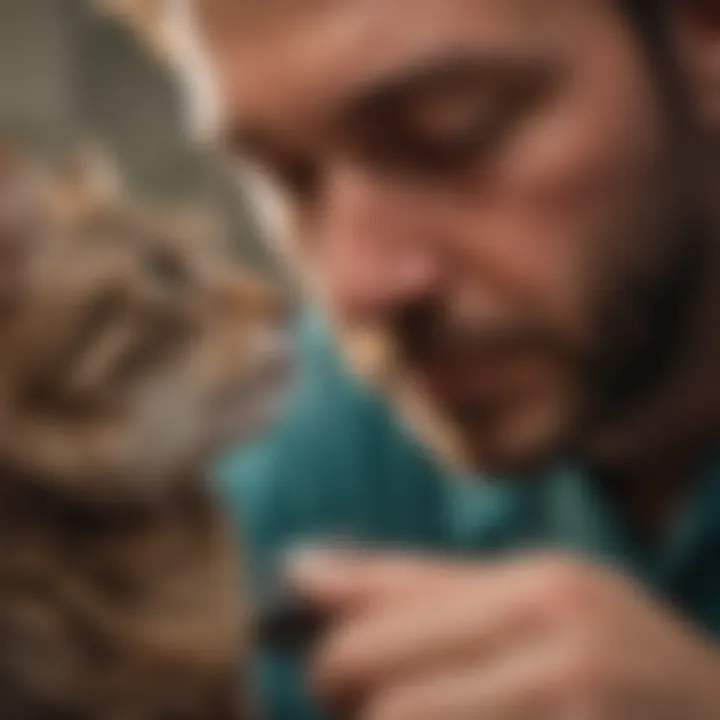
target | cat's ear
[
  {"x": 20, "y": 220},
  {"x": 89, "y": 182},
  {"x": 148, "y": 19}
]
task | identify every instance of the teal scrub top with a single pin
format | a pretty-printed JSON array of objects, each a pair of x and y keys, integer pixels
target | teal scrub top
[{"x": 338, "y": 467}]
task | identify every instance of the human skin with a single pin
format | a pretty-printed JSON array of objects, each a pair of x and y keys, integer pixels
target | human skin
[{"x": 501, "y": 186}]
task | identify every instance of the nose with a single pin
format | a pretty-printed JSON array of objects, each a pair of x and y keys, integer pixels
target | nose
[{"x": 373, "y": 251}]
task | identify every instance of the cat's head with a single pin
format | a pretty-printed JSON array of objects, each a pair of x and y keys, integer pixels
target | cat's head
[{"x": 131, "y": 349}]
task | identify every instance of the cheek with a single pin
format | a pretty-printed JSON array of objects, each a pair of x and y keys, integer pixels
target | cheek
[
  {"x": 600, "y": 132},
  {"x": 519, "y": 256},
  {"x": 585, "y": 166},
  {"x": 564, "y": 196}
]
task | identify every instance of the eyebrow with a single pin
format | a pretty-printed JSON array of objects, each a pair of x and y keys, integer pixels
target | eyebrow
[{"x": 486, "y": 68}]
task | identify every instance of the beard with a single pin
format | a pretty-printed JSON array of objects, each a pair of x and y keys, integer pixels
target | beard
[
  {"x": 638, "y": 334},
  {"x": 644, "y": 381},
  {"x": 469, "y": 433}
]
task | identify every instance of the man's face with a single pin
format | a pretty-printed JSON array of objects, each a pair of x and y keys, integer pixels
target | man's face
[{"x": 487, "y": 180}]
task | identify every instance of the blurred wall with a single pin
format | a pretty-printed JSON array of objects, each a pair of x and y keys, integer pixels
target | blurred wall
[{"x": 66, "y": 73}]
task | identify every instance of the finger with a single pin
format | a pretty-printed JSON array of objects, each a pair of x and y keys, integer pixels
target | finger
[
  {"x": 393, "y": 639},
  {"x": 346, "y": 579},
  {"x": 520, "y": 686}
]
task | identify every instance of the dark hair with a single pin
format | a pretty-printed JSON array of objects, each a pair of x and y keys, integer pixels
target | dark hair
[{"x": 650, "y": 18}]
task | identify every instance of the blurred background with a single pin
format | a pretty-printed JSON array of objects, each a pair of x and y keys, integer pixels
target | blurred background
[{"x": 68, "y": 74}]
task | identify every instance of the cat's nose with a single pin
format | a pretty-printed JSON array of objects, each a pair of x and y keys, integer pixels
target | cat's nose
[{"x": 261, "y": 299}]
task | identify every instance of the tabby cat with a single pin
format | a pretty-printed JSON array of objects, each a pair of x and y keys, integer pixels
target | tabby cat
[{"x": 130, "y": 353}]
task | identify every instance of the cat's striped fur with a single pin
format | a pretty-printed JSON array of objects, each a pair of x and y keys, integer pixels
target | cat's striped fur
[{"x": 129, "y": 354}]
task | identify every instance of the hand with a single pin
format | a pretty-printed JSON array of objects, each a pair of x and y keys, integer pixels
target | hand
[{"x": 541, "y": 638}]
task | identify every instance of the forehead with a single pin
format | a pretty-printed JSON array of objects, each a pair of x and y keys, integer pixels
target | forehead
[{"x": 266, "y": 55}]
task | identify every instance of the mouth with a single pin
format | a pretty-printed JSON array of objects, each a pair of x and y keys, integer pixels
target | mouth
[
  {"x": 481, "y": 379},
  {"x": 249, "y": 407},
  {"x": 271, "y": 377}
]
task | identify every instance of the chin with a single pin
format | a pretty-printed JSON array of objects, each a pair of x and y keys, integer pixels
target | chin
[
  {"x": 524, "y": 438},
  {"x": 513, "y": 438},
  {"x": 520, "y": 433}
]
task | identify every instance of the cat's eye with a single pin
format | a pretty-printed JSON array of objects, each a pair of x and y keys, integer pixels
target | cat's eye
[{"x": 167, "y": 269}]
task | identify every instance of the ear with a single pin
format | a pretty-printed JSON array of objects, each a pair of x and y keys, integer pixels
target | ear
[
  {"x": 698, "y": 26},
  {"x": 88, "y": 183}
]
